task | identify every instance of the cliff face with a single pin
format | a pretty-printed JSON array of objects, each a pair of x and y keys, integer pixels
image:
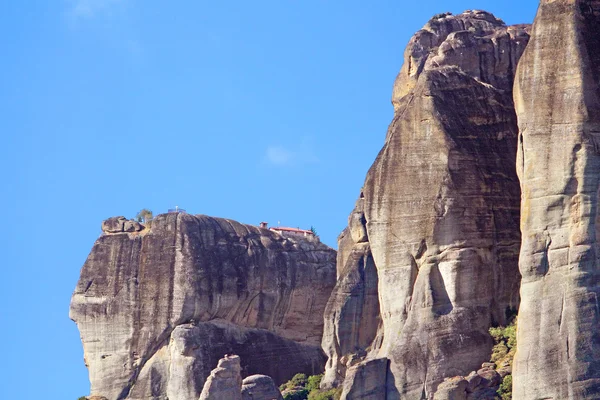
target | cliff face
[
  {"x": 158, "y": 308},
  {"x": 429, "y": 260},
  {"x": 557, "y": 99}
]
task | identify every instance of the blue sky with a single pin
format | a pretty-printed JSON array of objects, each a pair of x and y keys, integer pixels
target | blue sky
[{"x": 255, "y": 111}]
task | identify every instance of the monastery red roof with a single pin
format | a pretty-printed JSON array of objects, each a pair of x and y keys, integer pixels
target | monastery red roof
[{"x": 285, "y": 229}]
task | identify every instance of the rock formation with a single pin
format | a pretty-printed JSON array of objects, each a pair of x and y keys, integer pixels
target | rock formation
[
  {"x": 557, "y": 98},
  {"x": 429, "y": 260},
  {"x": 120, "y": 224},
  {"x": 367, "y": 380},
  {"x": 260, "y": 387},
  {"x": 157, "y": 308},
  {"x": 225, "y": 381},
  {"x": 478, "y": 385}
]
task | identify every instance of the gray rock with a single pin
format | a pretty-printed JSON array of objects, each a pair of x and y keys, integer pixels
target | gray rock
[
  {"x": 557, "y": 98},
  {"x": 367, "y": 381},
  {"x": 132, "y": 226},
  {"x": 352, "y": 313},
  {"x": 489, "y": 378},
  {"x": 480, "y": 385},
  {"x": 114, "y": 225},
  {"x": 260, "y": 387},
  {"x": 505, "y": 371},
  {"x": 225, "y": 381},
  {"x": 452, "y": 389},
  {"x": 434, "y": 237},
  {"x": 156, "y": 311},
  {"x": 473, "y": 382},
  {"x": 484, "y": 394}
]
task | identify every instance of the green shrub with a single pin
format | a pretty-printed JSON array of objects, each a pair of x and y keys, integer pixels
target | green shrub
[
  {"x": 508, "y": 335},
  {"x": 298, "y": 380},
  {"x": 145, "y": 216},
  {"x": 499, "y": 352},
  {"x": 505, "y": 339},
  {"x": 511, "y": 336},
  {"x": 332, "y": 394},
  {"x": 314, "y": 382},
  {"x": 301, "y": 387},
  {"x": 301, "y": 394},
  {"x": 505, "y": 390}
]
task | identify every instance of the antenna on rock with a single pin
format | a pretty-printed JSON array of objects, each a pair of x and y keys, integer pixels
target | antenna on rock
[{"x": 177, "y": 210}]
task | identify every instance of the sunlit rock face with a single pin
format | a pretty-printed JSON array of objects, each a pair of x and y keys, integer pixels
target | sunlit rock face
[
  {"x": 157, "y": 308},
  {"x": 429, "y": 260},
  {"x": 557, "y": 98},
  {"x": 225, "y": 381}
]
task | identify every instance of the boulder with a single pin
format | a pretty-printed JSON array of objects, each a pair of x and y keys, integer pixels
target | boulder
[
  {"x": 452, "y": 389},
  {"x": 480, "y": 385},
  {"x": 132, "y": 226},
  {"x": 260, "y": 387},
  {"x": 114, "y": 225}
]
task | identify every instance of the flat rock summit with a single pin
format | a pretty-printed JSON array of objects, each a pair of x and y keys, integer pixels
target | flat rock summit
[
  {"x": 481, "y": 207},
  {"x": 158, "y": 308}
]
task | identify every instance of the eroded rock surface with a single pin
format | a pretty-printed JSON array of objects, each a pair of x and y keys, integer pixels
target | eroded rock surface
[
  {"x": 367, "y": 381},
  {"x": 156, "y": 309},
  {"x": 260, "y": 387},
  {"x": 225, "y": 381},
  {"x": 478, "y": 385},
  {"x": 429, "y": 260},
  {"x": 557, "y": 98},
  {"x": 120, "y": 224}
]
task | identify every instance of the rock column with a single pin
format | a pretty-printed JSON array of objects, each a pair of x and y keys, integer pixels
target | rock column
[
  {"x": 225, "y": 381},
  {"x": 557, "y": 101}
]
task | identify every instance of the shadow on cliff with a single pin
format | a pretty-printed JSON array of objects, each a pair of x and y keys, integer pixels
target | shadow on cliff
[
  {"x": 390, "y": 383},
  {"x": 441, "y": 300}
]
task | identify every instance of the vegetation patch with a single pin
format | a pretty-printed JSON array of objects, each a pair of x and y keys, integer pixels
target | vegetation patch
[
  {"x": 505, "y": 390},
  {"x": 503, "y": 352},
  {"x": 505, "y": 339},
  {"x": 301, "y": 387}
]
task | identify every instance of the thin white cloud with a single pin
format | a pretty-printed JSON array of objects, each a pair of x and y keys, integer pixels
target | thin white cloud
[
  {"x": 303, "y": 153},
  {"x": 81, "y": 9},
  {"x": 278, "y": 155}
]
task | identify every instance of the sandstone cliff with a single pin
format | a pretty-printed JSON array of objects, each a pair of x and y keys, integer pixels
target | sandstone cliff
[
  {"x": 557, "y": 98},
  {"x": 429, "y": 260},
  {"x": 225, "y": 381},
  {"x": 157, "y": 308}
]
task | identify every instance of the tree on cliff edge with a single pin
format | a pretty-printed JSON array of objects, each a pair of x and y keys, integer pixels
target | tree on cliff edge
[{"x": 144, "y": 216}]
